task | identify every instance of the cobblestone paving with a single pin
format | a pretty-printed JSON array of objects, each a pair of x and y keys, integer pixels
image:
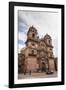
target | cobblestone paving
[{"x": 36, "y": 75}]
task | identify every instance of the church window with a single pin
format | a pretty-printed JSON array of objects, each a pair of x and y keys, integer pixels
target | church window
[
  {"x": 50, "y": 49},
  {"x": 33, "y": 35},
  {"x": 33, "y": 44},
  {"x": 49, "y": 41},
  {"x": 34, "y": 52}
]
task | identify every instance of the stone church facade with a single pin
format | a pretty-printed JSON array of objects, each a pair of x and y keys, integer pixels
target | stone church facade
[{"x": 38, "y": 55}]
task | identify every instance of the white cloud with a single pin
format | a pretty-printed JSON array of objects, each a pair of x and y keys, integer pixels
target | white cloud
[
  {"x": 44, "y": 22},
  {"x": 22, "y": 36}
]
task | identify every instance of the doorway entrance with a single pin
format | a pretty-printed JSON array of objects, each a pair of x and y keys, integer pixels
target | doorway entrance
[{"x": 43, "y": 67}]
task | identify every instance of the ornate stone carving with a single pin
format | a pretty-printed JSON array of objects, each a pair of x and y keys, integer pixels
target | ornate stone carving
[{"x": 38, "y": 53}]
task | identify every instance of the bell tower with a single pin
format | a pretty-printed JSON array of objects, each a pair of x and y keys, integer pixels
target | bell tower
[
  {"x": 51, "y": 58},
  {"x": 32, "y": 37},
  {"x": 48, "y": 42},
  {"x": 32, "y": 33},
  {"x": 32, "y": 44}
]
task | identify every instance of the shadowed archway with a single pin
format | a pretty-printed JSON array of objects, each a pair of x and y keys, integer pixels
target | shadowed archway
[{"x": 43, "y": 67}]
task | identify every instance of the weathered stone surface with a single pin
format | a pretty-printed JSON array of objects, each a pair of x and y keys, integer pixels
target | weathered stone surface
[{"x": 37, "y": 56}]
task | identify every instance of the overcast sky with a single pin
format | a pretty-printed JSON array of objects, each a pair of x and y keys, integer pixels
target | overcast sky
[{"x": 44, "y": 22}]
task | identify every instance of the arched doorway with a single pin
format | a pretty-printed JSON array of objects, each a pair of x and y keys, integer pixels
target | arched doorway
[{"x": 43, "y": 65}]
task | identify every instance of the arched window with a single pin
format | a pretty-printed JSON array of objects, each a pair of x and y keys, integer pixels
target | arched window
[
  {"x": 33, "y": 44},
  {"x": 34, "y": 52},
  {"x": 33, "y": 35}
]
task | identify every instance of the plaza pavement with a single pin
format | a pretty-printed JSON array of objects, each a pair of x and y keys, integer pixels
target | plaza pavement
[{"x": 36, "y": 75}]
